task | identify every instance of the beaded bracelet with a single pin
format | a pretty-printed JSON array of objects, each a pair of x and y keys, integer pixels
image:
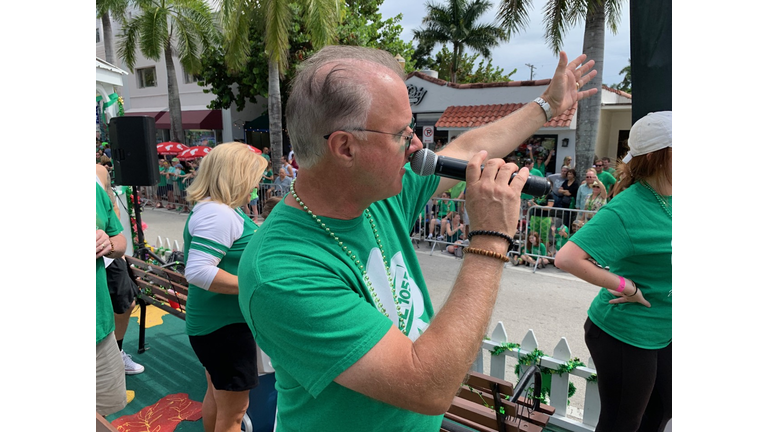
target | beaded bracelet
[
  {"x": 493, "y": 233},
  {"x": 486, "y": 253},
  {"x": 111, "y": 247}
]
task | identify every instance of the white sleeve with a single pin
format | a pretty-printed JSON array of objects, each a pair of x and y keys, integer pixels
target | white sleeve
[{"x": 214, "y": 227}]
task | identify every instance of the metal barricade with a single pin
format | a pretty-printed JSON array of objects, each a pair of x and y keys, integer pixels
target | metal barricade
[
  {"x": 547, "y": 223},
  {"x": 433, "y": 222}
]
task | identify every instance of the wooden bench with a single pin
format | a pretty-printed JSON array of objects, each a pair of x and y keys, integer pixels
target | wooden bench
[
  {"x": 102, "y": 425},
  {"x": 476, "y": 406},
  {"x": 160, "y": 287}
]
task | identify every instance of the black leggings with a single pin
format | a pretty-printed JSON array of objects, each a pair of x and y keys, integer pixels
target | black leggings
[{"x": 635, "y": 384}]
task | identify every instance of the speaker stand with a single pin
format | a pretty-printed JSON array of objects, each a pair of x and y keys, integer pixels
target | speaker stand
[{"x": 142, "y": 252}]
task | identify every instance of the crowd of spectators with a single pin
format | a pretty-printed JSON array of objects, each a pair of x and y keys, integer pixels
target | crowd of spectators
[{"x": 553, "y": 218}]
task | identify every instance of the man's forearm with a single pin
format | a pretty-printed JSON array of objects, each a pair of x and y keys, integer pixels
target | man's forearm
[
  {"x": 499, "y": 138},
  {"x": 502, "y": 136},
  {"x": 450, "y": 344}
]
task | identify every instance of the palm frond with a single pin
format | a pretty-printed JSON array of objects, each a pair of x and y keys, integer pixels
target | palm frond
[
  {"x": 115, "y": 8},
  {"x": 278, "y": 18},
  {"x": 321, "y": 18},
  {"x": 559, "y": 16},
  {"x": 127, "y": 40},
  {"x": 235, "y": 21},
  {"x": 513, "y": 14},
  {"x": 153, "y": 27},
  {"x": 613, "y": 15}
]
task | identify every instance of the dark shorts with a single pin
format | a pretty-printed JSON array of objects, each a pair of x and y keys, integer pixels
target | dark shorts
[
  {"x": 122, "y": 290},
  {"x": 229, "y": 356},
  {"x": 162, "y": 190}
]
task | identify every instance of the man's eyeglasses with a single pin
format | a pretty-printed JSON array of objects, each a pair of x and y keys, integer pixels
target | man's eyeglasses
[{"x": 408, "y": 138}]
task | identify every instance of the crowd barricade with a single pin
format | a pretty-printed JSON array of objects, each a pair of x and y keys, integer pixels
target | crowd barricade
[
  {"x": 547, "y": 221},
  {"x": 172, "y": 196},
  {"x": 430, "y": 222},
  {"x": 175, "y": 198}
]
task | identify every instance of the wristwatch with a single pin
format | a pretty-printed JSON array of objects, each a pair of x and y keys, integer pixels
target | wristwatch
[{"x": 545, "y": 106}]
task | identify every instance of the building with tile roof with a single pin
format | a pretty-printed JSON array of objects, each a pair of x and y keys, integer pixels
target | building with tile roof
[{"x": 451, "y": 109}]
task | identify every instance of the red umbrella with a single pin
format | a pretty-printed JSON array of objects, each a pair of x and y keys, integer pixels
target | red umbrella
[
  {"x": 194, "y": 152},
  {"x": 254, "y": 149},
  {"x": 170, "y": 148}
]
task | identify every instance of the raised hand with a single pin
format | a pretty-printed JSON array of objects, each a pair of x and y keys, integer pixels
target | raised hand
[{"x": 569, "y": 78}]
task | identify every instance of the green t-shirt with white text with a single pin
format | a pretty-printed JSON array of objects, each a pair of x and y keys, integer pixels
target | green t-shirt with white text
[{"x": 312, "y": 313}]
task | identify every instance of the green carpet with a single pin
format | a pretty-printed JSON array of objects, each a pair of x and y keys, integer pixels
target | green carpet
[{"x": 170, "y": 366}]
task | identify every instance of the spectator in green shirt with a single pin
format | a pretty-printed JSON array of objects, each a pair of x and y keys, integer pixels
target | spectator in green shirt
[
  {"x": 604, "y": 176},
  {"x": 607, "y": 166}
]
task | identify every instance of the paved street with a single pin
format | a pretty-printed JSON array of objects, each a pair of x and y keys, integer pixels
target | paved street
[{"x": 551, "y": 302}]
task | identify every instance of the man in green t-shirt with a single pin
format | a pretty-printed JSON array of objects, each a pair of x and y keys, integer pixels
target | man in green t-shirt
[
  {"x": 607, "y": 166},
  {"x": 604, "y": 176},
  {"x": 110, "y": 369},
  {"x": 330, "y": 284}
]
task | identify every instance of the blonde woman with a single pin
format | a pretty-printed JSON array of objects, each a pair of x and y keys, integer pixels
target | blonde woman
[
  {"x": 215, "y": 236},
  {"x": 596, "y": 200},
  {"x": 567, "y": 161}
]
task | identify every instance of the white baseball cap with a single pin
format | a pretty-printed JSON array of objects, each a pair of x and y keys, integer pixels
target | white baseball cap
[{"x": 650, "y": 133}]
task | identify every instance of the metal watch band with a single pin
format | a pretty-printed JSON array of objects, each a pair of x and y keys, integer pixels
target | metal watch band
[{"x": 545, "y": 106}]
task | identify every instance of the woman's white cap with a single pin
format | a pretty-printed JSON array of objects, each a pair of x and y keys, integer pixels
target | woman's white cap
[{"x": 650, "y": 133}]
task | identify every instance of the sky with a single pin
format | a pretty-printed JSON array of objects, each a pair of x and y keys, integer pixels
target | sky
[{"x": 529, "y": 46}]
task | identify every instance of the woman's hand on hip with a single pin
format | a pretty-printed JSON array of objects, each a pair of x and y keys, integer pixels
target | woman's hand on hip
[{"x": 629, "y": 295}]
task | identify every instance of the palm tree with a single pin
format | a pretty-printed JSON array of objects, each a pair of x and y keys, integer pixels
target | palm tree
[
  {"x": 105, "y": 8},
  {"x": 457, "y": 23},
  {"x": 320, "y": 17},
  {"x": 169, "y": 27},
  {"x": 559, "y": 16},
  {"x": 625, "y": 84}
]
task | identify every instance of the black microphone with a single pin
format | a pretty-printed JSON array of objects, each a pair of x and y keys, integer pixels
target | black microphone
[{"x": 425, "y": 162}]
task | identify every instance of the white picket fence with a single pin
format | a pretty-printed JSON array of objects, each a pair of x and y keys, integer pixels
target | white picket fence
[{"x": 558, "y": 397}]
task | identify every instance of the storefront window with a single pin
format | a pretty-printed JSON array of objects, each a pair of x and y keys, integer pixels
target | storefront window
[
  {"x": 162, "y": 135},
  {"x": 197, "y": 137}
]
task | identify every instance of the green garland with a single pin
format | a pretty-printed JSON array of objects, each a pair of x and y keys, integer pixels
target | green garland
[
  {"x": 546, "y": 373},
  {"x": 504, "y": 347}
]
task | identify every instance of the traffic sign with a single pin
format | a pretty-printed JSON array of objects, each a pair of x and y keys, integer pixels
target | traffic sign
[{"x": 429, "y": 134}]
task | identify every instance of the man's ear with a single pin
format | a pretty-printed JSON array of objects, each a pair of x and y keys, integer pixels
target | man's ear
[{"x": 342, "y": 147}]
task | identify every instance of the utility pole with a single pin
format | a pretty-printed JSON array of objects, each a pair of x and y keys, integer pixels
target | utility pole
[{"x": 532, "y": 68}]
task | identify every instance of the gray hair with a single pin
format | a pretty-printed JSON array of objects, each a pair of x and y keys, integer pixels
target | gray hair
[{"x": 337, "y": 98}]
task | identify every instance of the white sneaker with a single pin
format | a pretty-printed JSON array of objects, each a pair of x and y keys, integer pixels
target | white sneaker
[
  {"x": 429, "y": 236},
  {"x": 131, "y": 367},
  {"x": 440, "y": 238}
]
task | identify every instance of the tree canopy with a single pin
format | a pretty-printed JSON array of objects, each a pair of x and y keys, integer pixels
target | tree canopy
[
  {"x": 361, "y": 25},
  {"x": 457, "y": 23},
  {"x": 483, "y": 73},
  {"x": 626, "y": 84}
]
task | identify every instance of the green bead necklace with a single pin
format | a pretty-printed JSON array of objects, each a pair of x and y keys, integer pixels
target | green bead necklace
[
  {"x": 356, "y": 261},
  {"x": 661, "y": 201}
]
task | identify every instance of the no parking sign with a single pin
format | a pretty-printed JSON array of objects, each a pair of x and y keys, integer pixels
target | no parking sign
[{"x": 429, "y": 134}]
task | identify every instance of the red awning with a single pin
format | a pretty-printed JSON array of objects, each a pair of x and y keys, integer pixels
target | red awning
[
  {"x": 195, "y": 119},
  {"x": 154, "y": 114}
]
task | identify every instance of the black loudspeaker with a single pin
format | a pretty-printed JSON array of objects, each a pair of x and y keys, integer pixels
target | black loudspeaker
[
  {"x": 651, "y": 52},
  {"x": 134, "y": 150}
]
